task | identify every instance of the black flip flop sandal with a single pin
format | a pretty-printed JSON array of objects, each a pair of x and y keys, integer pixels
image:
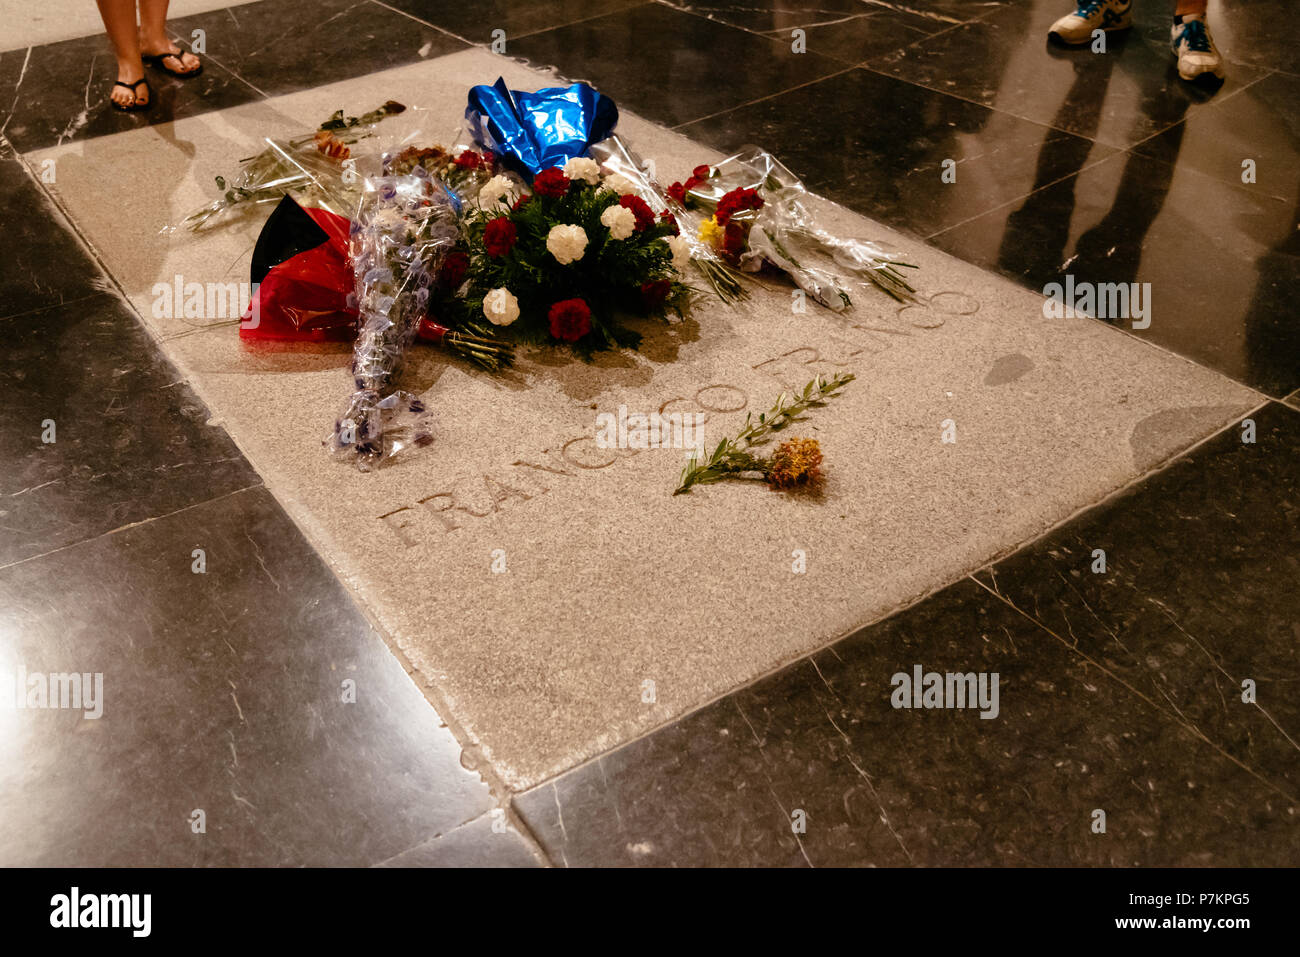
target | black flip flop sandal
[
  {"x": 156, "y": 59},
  {"x": 135, "y": 107}
]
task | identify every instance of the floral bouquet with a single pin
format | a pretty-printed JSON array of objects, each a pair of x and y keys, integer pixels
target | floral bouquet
[
  {"x": 559, "y": 264},
  {"x": 535, "y": 131},
  {"x": 316, "y": 167},
  {"x": 762, "y": 214},
  {"x": 462, "y": 169},
  {"x": 625, "y": 172}
]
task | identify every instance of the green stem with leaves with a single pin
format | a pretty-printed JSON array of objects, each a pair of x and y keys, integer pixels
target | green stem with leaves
[{"x": 734, "y": 456}]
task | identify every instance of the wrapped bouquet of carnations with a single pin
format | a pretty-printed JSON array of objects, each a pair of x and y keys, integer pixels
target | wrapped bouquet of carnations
[
  {"x": 624, "y": 171},
  {"x": 763, "y": 214}
]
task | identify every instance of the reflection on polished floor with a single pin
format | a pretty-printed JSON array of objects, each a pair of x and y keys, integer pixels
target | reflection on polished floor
[{"x": 1069, "y": 166}]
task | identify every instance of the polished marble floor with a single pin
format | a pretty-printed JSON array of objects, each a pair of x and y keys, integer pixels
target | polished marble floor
[{"x": 257, "y": 692}]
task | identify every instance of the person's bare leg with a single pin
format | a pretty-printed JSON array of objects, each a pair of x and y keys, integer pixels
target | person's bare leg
[
  {"x": 119, "y": 21},
  {"x": 154, "y": 39},
  {"x": 1186, "y": 7}
]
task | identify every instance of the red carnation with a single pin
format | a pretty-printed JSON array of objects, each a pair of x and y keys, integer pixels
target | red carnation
[
  {"x": 702, "y": 171},
  {"x": 645, "y": 216},
  {"x": 691, "y": 183},
  {"x": 671, "y": 220},
  {"x": 570, "y": 320},
  {"x": 654, "y": 292},
  {"x": 551, "y": 182},
  {"x": 678, "y": 192},
  {"x": 521, "y": 201},
  {"x": 499, "y": 236},
  {"x": 735, "y": 238},
  {"x": 453, "y": 269},
  {"x": 738, "y": 199},
  {"x": 469, "y": 160}
]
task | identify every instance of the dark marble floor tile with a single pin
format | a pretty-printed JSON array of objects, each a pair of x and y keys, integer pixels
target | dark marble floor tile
[
  {"x": 864, "y": 38},
  {"x": 1260, "y": 124},
  {"x": 959, "y": 11},
  {"x": 476, "y": 22},
  {"x": 1004, "y": 61},
  {"x": 222, "y": 691},
  {"x": 670, "y": 66},
  {"x": 130, "y": 440},
  {"x": 43, "y": 264},
  {"x": 1223, "y": 261},
  {"x": 1250, "y": 31},
  {"x": 1197, "y": 594},
  {"x": 476, "y": 844},
  {"x": 874, "y": 785},
  {"x": 848, "y": 30},
  {"x": 59, "y": 92},
  {"x": 281, "y": 48},
  {"x": 887, "y": 158},
  {"x": 777, "y": 16}
]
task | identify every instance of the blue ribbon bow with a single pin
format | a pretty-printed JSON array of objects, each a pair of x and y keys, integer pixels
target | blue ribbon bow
[{"x": 539, "y": 130}]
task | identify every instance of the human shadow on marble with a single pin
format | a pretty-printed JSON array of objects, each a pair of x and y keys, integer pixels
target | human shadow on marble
[{"x": 1036, "y": 236}]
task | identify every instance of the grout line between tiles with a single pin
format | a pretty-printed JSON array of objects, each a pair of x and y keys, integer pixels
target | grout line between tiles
[
  {"x": 569, "y": 23},
  {"x": 208, "y": 57},
  {"x": 56, "y": 305},
  {"x": 433, "y": 26},
  {"x": 1020, "y": 199},
  {"x": 534, "y": 846},
  {"x": 130, "y": 525}
]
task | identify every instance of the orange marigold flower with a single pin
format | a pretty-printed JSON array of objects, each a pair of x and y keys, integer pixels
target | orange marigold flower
[
  {"x": 795, "y": 462},
  {"x": 331, "y": 145}
]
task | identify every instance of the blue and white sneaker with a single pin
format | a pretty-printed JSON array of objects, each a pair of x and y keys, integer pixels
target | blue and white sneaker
[
  {"x": 1195, "y": 49},
  {"x": 1092, "y": 15}
]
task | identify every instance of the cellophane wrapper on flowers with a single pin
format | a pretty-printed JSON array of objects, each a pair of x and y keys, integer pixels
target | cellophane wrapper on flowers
[
  {"x": 786, "y": 233},
  {"x": 404, "y": 226},
  {"x": 471, "y": 165},
  {"x": 322, "y": 169},
  {"x": 625, "y": 171}
]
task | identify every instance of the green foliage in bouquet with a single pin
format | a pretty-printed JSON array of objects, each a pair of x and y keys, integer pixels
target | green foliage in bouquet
[{"x": 561, "y": 265}]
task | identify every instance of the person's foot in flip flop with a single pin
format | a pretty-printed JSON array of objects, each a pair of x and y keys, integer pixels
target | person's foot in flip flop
[
  {"x": 1090, "y": 15},
  {"x": 168, "y": 56},
  {"x": 130, "y": 91}
]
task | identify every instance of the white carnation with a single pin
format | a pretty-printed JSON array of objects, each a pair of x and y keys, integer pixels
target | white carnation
[
  {"x": 620, "y": 220},
  {"x": 566, "y": 243},
  {"x": 501, "y": 307},
  {"x": 495, "y": 190},
  {"x": 681, "y": 248},
  {"x": 584, "y": 169},
  {"x": 620, "y": 184}
]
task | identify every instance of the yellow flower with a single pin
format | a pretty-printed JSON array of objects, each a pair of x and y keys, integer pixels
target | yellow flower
[
  {"x": 795, "y": 462},
  {"x": 711, "y": 232}
]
